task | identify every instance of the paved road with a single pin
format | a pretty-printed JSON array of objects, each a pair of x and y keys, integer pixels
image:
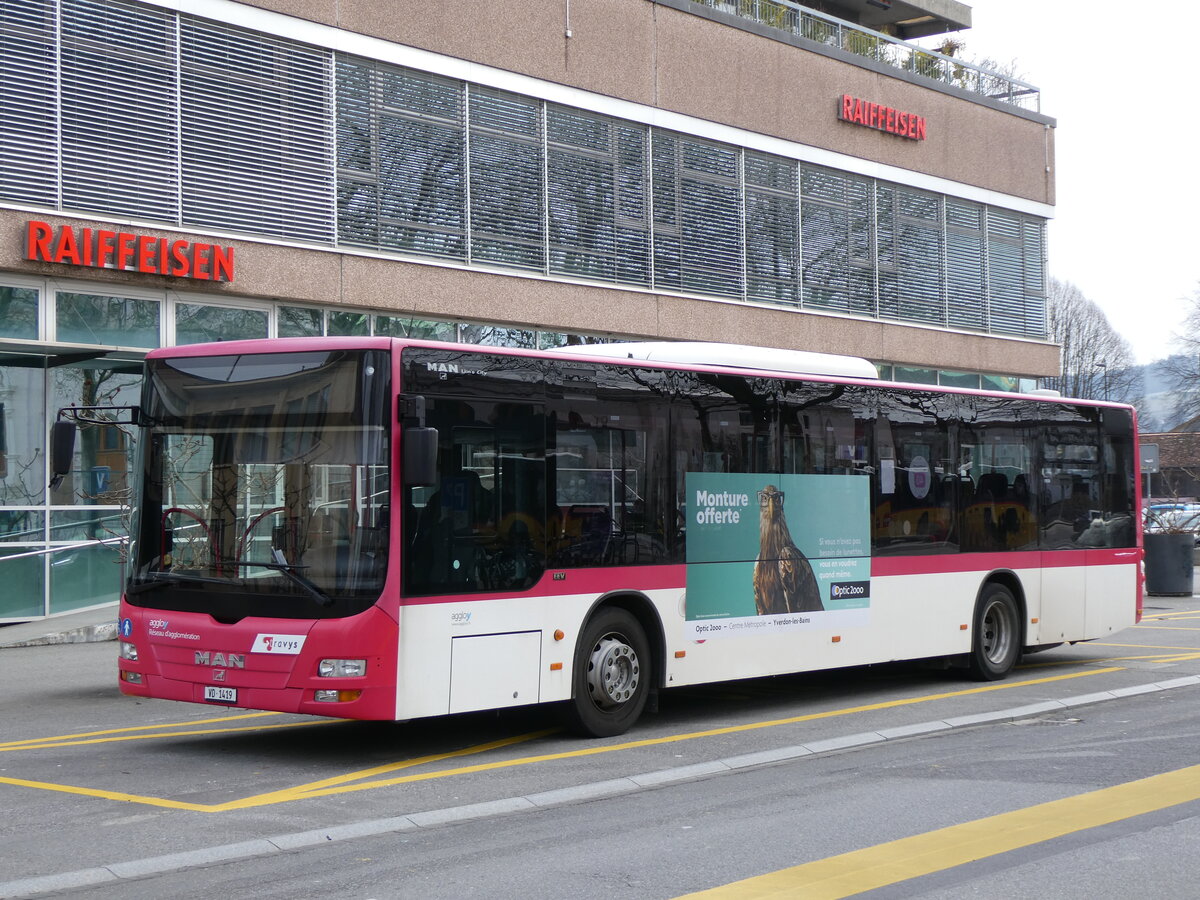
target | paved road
[{"x": 154, "y": 797}]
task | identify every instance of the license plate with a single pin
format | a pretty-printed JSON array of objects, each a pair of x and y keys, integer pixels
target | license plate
[{"x": 220, "y": 694}]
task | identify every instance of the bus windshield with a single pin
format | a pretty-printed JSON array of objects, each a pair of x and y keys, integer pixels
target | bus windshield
[{"x": 265, "y": 485}]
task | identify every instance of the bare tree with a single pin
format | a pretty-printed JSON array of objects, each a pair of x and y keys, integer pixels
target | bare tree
[
  {"x": 1183, "y": 369},
  {"x": 1097, "y": 363}
]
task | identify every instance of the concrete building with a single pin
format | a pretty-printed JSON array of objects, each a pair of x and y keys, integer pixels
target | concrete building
[{"x": 750, "y": 171}]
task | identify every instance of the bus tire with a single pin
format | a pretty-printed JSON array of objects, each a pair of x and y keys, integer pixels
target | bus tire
[
  {"x": 996, "y": 641},
  {"x": 612, "y": 674}
]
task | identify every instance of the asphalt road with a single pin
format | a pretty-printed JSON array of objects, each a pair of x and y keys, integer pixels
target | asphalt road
[{"x": 930, "y": 784}]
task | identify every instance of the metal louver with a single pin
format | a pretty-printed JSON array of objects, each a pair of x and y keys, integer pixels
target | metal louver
[
  {"x": 28, "y": 103},
  {"x": 836, "y": 241},
  {"x": 257, "y": 135},
  {"x": 507, "y": 186},
  {"x": 1006, "y": 275},
  {"x": 909, "y": 229},
  {"x": 697, "y": 215},
  {"x": 596, "y": 190},
  {"x": 965, "y": 288},
  {"x": 772, "y": 228},
  {"x": 119, "y": 126},
  {"x": 401, "y": 148}
]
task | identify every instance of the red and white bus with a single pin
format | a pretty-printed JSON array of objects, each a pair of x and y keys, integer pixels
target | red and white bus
[{"x": 390, "y": 529}]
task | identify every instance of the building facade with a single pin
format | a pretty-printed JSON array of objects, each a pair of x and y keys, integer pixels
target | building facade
[{"x": 507, "y": 172}]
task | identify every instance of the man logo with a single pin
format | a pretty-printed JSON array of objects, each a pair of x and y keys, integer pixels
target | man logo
[{"x": 229, "y": 661}]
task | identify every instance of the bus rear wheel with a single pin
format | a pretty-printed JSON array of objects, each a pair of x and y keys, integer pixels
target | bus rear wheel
[
  {"x": 997, "y": 640},
  {"x": 612, "y": 674}
]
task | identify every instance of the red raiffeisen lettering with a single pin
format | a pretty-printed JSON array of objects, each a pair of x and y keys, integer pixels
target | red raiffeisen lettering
[
  {"x": 881, "y": 118},
  {"x": 127, "y": 252}
]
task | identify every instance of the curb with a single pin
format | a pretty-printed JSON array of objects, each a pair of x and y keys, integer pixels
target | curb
[
  {"x": 86, "y": 634},
  {"x": 173, "y": 862}
]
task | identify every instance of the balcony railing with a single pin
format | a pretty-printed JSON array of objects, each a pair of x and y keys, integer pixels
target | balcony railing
[{"x": 834, "y": 32}]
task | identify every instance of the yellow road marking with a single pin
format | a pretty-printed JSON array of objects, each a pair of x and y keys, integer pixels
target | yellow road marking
[
  {"x": 44, "y": 743},
  {"x": 57, "y": 738},
  {"x": 281, "y": 796},
  {"x": 936, "y": 851},
  {"x": 1166, "y": 627},
  {"x": 1145, "y": 646},
  {"x": 332, "y": 786},
  {"x": 688, "y": 736}
]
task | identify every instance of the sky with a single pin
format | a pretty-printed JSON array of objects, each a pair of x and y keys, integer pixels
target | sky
[{"x": 1125, "y": 229}]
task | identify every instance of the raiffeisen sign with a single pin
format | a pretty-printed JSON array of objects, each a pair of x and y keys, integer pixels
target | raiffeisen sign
[
  {"x": 127, "y": 252},
  {"x": 882, "y": 118}
]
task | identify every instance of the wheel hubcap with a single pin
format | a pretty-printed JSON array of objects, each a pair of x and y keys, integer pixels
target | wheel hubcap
[
  {"x": 997, "y": 633},
  {"x": 613, "y": 672}
]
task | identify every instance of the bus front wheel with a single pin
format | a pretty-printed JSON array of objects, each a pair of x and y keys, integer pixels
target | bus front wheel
[
  {"x": 997, "y": 639},
  {"x": 612, "y": 674}
]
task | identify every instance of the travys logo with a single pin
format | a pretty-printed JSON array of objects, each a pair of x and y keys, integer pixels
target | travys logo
[{"x": 287, "y": 644}]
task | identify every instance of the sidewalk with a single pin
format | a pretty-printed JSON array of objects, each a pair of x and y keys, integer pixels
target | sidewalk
[{"x": 88, "y": 626}]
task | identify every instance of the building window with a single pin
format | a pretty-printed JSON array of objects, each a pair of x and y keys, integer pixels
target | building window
[
  {"x": 772, "y": 228},
  {"x": 908, "y": 235},
  {"x": 421, "y": 329},
  {"x": 195, "y": 324},
  {"x": 697, "y": 215},
  {"x": 107, "y": 321},
  {"x": 119, "y": 119},
  {"x": 19, "y": 313},
  {"x": 256, "y": 121},
  {"x": 298, "y": 321},
  {"x": 506, "y": 169},
  {"x": 401, "y": 156},
  {"x": 836, "y": 241},
  {"x": 597, "y": 191}
]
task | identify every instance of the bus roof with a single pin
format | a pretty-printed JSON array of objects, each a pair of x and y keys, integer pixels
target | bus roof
[{"x": 732, "y": 356}]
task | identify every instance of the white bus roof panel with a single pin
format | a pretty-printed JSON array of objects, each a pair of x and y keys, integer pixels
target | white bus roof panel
[{"x": 735, "y": 356}]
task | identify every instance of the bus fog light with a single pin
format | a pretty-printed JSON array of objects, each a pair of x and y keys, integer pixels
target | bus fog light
[
  {"x": 131, "y": 677},
  {"x": 128, "y": 651},
  {"x": 342, "y": 668},
  {"x": 336, "y": 696}
]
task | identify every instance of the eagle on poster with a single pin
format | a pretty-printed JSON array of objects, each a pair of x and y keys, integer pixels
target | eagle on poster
[{"x": 783, "y": 577}]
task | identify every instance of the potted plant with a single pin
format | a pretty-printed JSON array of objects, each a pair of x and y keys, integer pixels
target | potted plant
[{"x": 1169, "y": 538}]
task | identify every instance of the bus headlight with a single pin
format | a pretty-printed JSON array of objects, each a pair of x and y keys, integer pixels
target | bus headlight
[
  {"x": 128, "y": 651},
  {"x": 342, "y": 668}
]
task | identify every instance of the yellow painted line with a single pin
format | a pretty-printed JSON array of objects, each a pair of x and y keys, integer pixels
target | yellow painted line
[
  {"x": 331, "y": 787},
  {"x": 1145, "y": 646},
  {"x": 259, "y": 800},
  {"x": 1165, "y": 627},
  {"x": 302, "y": 791},
  {"x": 135, "y": 728},
  {"x": 689, "y": 736},
  {"x": 104, "y": 795},
  {"x": 45, "y": 744},
  {"x": 936, "y": 851}
]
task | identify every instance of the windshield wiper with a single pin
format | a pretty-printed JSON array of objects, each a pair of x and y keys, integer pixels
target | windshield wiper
[
  {"x": 151, "y": 581},
  {"x": 292, "y": 573}
]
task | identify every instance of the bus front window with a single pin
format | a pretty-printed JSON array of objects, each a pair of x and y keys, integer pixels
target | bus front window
[{"x": 265, "y": 485}]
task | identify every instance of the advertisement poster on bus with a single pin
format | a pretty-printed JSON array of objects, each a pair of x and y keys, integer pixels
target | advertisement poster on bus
[{"x": 770, "y": 552}]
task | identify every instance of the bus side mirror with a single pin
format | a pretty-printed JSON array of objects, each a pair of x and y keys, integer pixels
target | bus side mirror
[
  {"x": 420, "y": 456},
  {"x": 62, "y": 450}
]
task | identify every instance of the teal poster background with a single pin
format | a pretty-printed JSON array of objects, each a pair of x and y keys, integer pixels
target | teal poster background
[{"x": 827, "y": 516}]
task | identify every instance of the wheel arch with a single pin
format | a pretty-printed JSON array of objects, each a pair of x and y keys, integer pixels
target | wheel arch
[
  {"x": 1009, "y": 579},
  {"x": 641, "y": 608}
]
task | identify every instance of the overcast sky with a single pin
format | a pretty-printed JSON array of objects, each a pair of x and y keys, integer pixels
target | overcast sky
[{"x": 1118, "y": 80}]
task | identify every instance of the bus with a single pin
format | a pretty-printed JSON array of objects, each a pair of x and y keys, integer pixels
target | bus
[{"x": 392, "y": 529}]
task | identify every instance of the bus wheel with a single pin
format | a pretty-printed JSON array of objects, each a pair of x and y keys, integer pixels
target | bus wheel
[
  {"x": 997, "y": 639},
  {"x": 612, "y": 674}
]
